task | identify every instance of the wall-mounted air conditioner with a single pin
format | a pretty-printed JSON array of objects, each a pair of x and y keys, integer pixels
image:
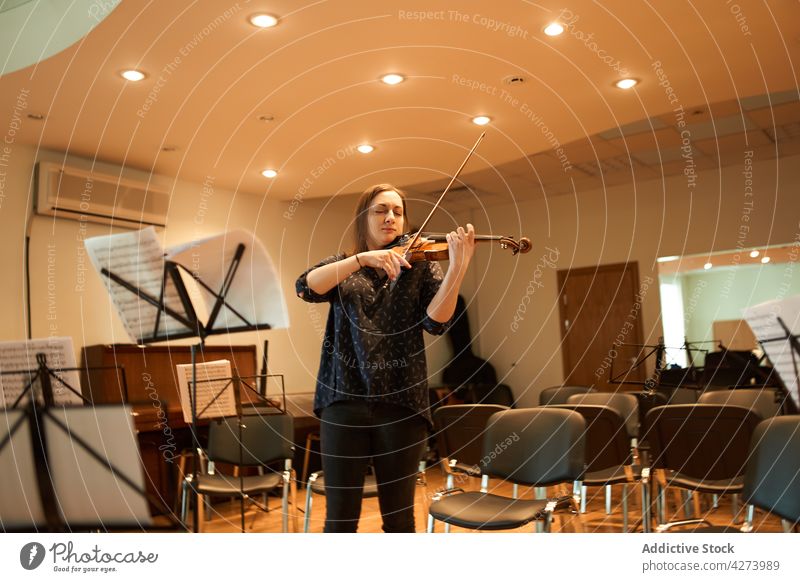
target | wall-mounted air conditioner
[{"x": 78, "y": 194}]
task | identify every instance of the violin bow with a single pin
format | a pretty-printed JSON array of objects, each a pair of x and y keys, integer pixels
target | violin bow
[
  {"x": 435, "y": 206},
  {"x": 452, "y": 180}
]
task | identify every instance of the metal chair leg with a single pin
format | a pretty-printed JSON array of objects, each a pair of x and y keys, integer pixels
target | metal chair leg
[
  {"x": 185, "y": 499},
  {"x": 579, "y": 490},
  {"x": 541, "y": 493},
  {"x": 625, "y": 507},
  {"x": 287, "y": 476},
  {"x": 201, "y": 506},
  {"x": 307, "y": 516},
  {"x": 430, "y": 524},
  {"x": 608, "y": 499},
  {"x": 688, "y": 506}
]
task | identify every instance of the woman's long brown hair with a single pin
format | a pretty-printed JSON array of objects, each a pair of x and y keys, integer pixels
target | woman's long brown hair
[{"x": 360, "y": 230}]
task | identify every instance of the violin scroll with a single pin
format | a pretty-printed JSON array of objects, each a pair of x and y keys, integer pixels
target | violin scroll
[{"x": 523, "y": 246}]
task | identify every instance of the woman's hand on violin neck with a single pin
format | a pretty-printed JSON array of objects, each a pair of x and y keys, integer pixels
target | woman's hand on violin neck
[
  {"x": 385, "y": 260},
  {"x": 461, "y": 247}
]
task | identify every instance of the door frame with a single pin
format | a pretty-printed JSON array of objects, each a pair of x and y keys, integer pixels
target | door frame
[{"x": 563, "y": 274}]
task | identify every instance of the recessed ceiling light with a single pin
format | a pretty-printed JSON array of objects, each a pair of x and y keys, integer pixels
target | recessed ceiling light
[
  {"x": 707, "y": 266},
  {"x": 667, "y": 259},
  {"x": 481, "y": 120},
  {"x": 626, "y": 83},
  {"x": 365, "y": 148},
  {"x": 266, "y": 118},
  {"x": 553, "y": 29},
  {"x": 393, "y": 79},
  {"x": 269, "y": 173},
  {"x": 754, "y": 254},
  {"x": 263, "y": 20},
  {"x": 35, "y": 116},
  {"x": 169, "y": 149},
  {"x": 133, "y": 75},
  {"x": 765, "y": 260}
]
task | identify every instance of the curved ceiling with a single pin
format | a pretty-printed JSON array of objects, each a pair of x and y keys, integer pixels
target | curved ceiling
[
  {"x": 225, "y": 100},
  {"x": 34, "y": 30}
]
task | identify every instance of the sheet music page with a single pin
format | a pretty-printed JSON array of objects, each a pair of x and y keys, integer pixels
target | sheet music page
[
  {"x": 137, "y": 257},
  {"x": 208, "y": 387},
  {"x": 22, "y": 356},
  {"x": 763, "y": 320},
  {"x": 256, "y": 291}
]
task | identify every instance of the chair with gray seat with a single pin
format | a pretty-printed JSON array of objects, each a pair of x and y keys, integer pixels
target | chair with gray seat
[
  {"x": 560, "y": 394},
  {"x": 459, "y": 431},
  {"x": 772, "y": 477},
  {"x": 533, "y": 447},
  {"x": 698, "y": 447},
  {"x": 259, "y": 441},
  {"x": 609, "y": 458},
  {"x": 627, "y": 407}
]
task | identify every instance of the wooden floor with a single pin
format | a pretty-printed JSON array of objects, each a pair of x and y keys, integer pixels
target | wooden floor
[{"x": 225, "y": 515}]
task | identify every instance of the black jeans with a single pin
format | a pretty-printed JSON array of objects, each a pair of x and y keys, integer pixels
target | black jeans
[{"x": 392, "y": 437}]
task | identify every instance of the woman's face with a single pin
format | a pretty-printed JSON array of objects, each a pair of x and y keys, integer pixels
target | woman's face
[{"x": 385, "y": 220}]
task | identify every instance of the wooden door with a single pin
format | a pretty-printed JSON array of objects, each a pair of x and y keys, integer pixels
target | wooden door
[{"x": 600, "y": 311}]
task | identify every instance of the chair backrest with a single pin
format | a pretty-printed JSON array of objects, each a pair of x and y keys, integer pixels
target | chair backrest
[
  {"x": 625, "y": 405},
  {"x": 683, "y": 396},
  {"x": 264, "y": 439},
  {"x": 702, "y": 441},
  {"x": 535, "y": 446},
  {"x": 460, "y": 429},
  {"x": 607, "y": 443},
  {"x": 772, "y": 480},
  {"x": 560, "y": 394},
  {"x": 760, "y": 401},
  {"x": 491, "y": 394}
]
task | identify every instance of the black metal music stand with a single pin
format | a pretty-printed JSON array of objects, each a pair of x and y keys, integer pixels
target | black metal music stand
[
  {"x": 236, "y": 382},
  {"x": 190, "y": 320},
  {"x": 36, "y": 413},
  {"x": 790, "y": 406}
]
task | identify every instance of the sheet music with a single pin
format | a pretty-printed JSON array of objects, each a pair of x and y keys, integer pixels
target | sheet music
[
  {"x": 255, "y": 293},
  {"x": 138, "y": 258},
  {"x": 22, "y": 356},
  {"x": 763, "y": 320},
  {"x": 225, "y": 403}
]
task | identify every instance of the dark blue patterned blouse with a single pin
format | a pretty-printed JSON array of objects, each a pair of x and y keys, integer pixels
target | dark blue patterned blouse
[{"x": 373, "y": 348}]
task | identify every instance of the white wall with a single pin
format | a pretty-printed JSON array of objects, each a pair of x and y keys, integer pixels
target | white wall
[{"x": 597, "y": 227}]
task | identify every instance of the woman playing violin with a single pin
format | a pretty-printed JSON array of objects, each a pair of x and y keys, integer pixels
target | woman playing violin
[{"x": 372, "y": 394}]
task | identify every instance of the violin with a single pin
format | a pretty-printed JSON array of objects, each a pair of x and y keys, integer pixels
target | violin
[{"x": 434, "y": 247}]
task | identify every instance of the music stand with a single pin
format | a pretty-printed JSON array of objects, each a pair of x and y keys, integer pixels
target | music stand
[
  {"x": 114, "y": 495},
  {"x": 793, "y": 341},
  {"x": 235, "y": 383},
  {"x": 172, "y": 293}
]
